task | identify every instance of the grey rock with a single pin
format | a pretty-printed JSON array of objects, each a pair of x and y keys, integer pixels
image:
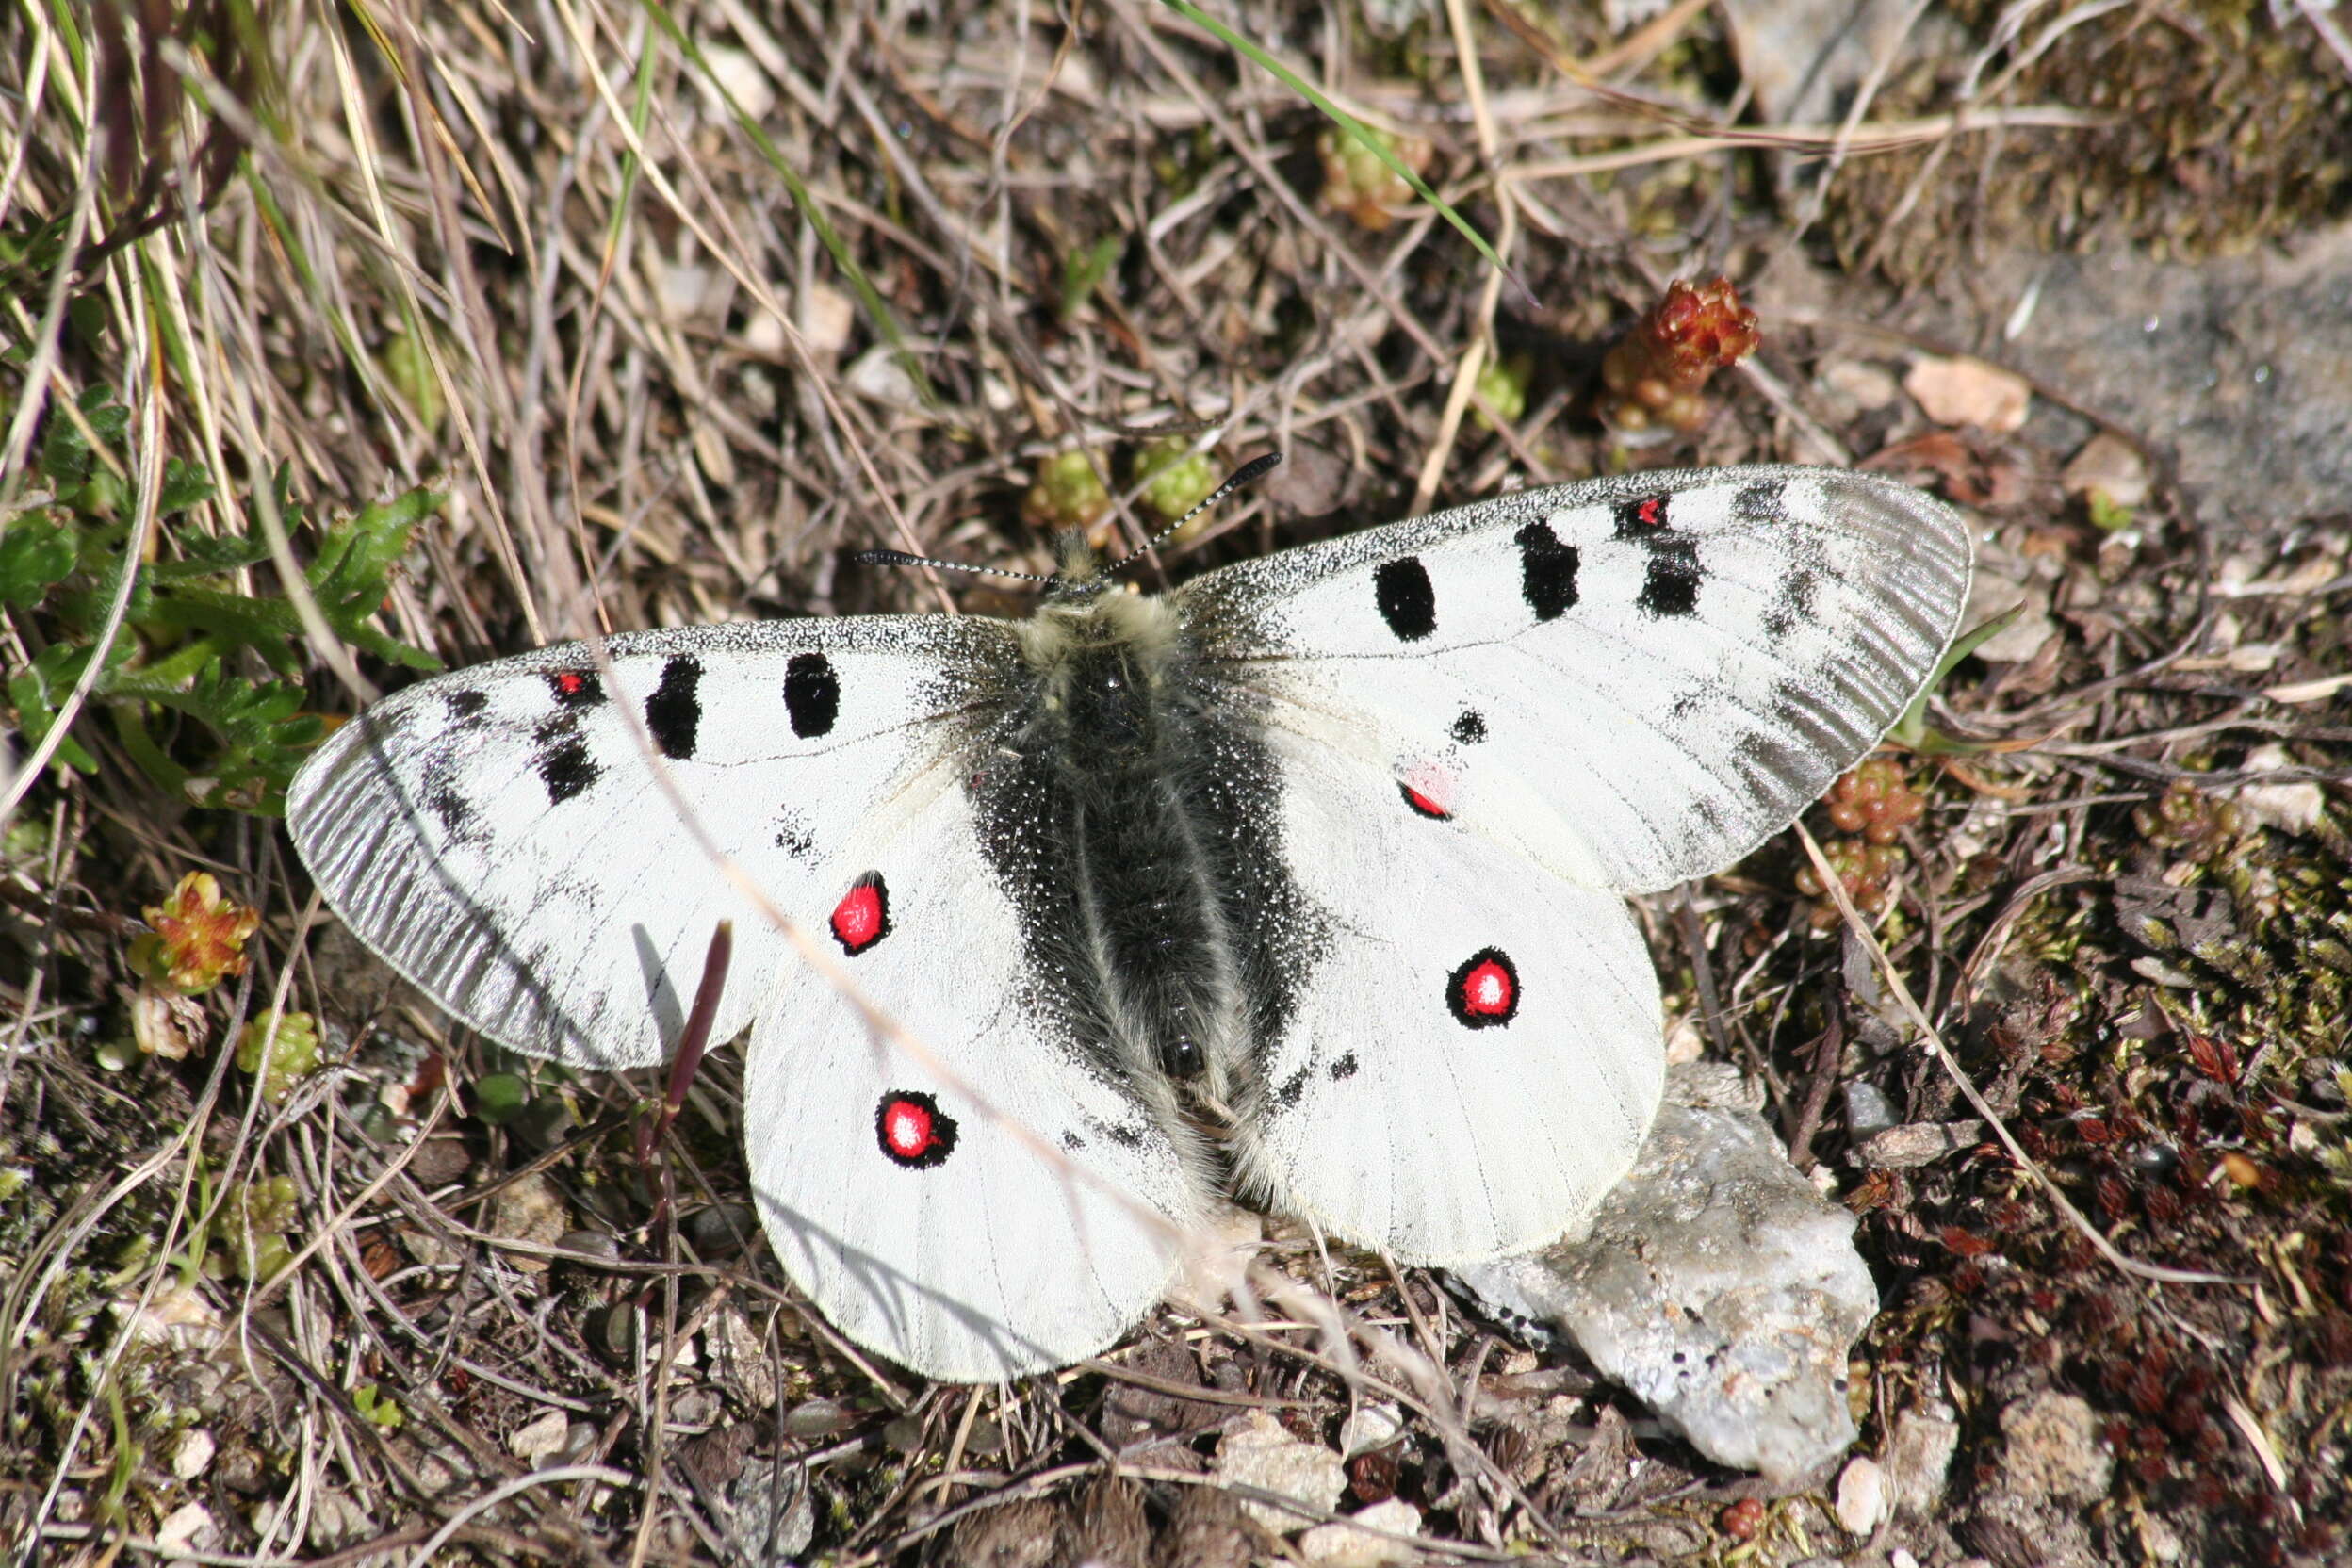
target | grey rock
[
  {"x": 1715, "y": 1283},
  {"x": 1916, "y": 1143},
  {"x": 2241, "y": 367},
  {"x": 1258, "y": 1451},
  {"x": 1918, "y": 1457},
  {"x": 770, "y": 1519},
  {"x": 1868, "y": 1109}
]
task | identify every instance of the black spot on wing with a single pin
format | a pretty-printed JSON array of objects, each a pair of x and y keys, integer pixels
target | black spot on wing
[
  {"x": 451, "y": 809},
  {"x": 812, "y": 695},
  {"x": 1471, "y": 727},
  {"x": 1292, "y": 1090},
  {"x": 1670, "y": 586},
  {"x": 1344, "y": 1068},
  {"x": 465, "y": 704},
  {"x": 566, "y": 769},
  {"x": 792, "y": 836},
  {"x": 1547, "y": 571},
  {"x": 1794, "y": 604},
  {"x": 674, "y": 712},
  {"x": 1407, "y": 602},
  {"x": 1764, "y": 503}
]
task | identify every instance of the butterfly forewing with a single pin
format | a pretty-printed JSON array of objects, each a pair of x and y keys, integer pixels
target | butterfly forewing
[
  {"x": 1631, "y": 681},
  {"x": 498, "y": 835}
]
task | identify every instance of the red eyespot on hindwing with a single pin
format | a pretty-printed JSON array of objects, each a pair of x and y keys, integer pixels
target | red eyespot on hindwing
[
  {"x": 912, "y": 1130},
  {"x": 1484, "y": 991},
  {"x": 862, "y": 917}
]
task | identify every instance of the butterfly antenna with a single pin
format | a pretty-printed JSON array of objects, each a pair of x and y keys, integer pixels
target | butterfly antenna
[
  {"x": 900, "y": 558},
  {"x": 1249, "y": 473}
]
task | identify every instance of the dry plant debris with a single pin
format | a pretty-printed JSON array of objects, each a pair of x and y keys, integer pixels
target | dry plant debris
[{"x": 467, "y": 327}]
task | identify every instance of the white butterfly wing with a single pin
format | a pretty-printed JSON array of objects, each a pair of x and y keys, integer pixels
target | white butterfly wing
[
  {"x": 1491, "y": 722},
  {"x": 1477, "y": 1058},
  {"x": 970, "y": 1242},
  {"x": 497, "y": 835},
  {"x": 1631, "y": 681}
]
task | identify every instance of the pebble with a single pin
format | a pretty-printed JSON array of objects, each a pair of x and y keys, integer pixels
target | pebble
[
  {"x": 2053, "y": 1449},
  {"x": 193, "y": 1454},
  {"x": 1716, "y": 1284},
  {"x": 1373, "y": 1427},
  {"x": 537, "y": 1439},
  {"x": 1351, "y": 1544},
  {"x": 1965, "y": 391},
  {"x": 1257, "y": 1450},
  {"x": 1861, "y": 1497}
]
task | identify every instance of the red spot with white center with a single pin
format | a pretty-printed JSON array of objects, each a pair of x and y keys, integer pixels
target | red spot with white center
[
  {"x": 862, "y": 917},
  {"x": 1429, "y": 792},
  {"x": 912, "y": 1130},
  {"x": 1484, "y": 991}
]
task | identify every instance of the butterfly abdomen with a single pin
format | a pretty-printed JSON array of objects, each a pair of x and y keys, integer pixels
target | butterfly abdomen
[{"x": 1129, "y": 821}]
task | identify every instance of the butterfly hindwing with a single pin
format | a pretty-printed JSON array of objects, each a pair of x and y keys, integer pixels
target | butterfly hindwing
[
  {"x": 975, "y": 1241},
  {"x": 1631, "y": 681},
  {"x": 498, "y": 835},
  {"x": 1477, "y": 1057}
]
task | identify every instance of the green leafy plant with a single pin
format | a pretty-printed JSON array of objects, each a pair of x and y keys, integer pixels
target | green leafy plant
[{"x": 187, "y": 680}]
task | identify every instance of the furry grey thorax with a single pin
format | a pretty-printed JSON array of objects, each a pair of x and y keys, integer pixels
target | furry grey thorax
[{"x": 1124, "y": 803}]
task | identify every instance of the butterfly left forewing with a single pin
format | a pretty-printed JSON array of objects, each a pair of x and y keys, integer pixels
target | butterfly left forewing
[{"x": 498, "y": 835}]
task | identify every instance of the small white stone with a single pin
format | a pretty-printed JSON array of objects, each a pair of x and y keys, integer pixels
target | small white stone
[
  {"x": 1351, "y": 1544},
  {"x": 1258, "y": 1451},
  {"x": 176, "y": 1536},
  {"x": 195, "y": 1450},
  {"x": 825, "y": 317},
  {"x": 1854, "y": 386},
  {"x": 742, "y": 78},
  {"x": 1373, "y": 1427},
  {"x": 2291, "y": 808},
  {"x": 878, "y": 375},
  {"x": 1965, "y": 391},
  {"x": 1861, "y": 1497},
  {"x": 537, "y": 1439},
  {"x": 2112, "y": 467},
  {"x": 1900, "y": 1558}
]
